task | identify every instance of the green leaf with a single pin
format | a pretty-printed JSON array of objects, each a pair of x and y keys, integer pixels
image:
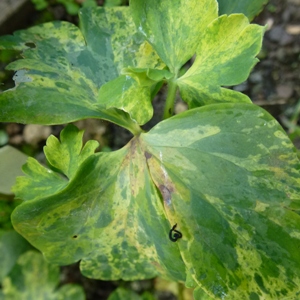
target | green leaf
[
  {"x": 127, "y": 93},
  {"x": 68, "y": 154},
  {"x": 112, "y": 3},
  {"x": 147, "y": 77},
  {"x": 38, "y": 182},
  {"x": 124, "y": 294},
  {"x": 201, "y": 294},
  {"x": 65, "y": 156},
  {"x": 173, "y": 28},
  {"x": 71, "y": 6},
  {"x": 133, "y": 91},
  {"x": 12, "y": 245},
  {"x": 116, "y": 223},
  {"x": 225, "y": 57},
  {"x": 70, "y": 292},
  {"x": 250, "y": 8},
  {"x": 148, "y": 296},
  {"x": 89, "y": 3},
  {"x": 229, "y": 176},
  {"x": 226, "y": 174},
  {"x": 63, "y": 68},
  {"x": 39, "y": 4},
  {"x": 34, "y": 278}
]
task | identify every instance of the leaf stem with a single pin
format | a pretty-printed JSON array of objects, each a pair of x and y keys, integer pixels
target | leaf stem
[
  {"x": 169, "y": 106},
  {"x": 180, "y": 289},
  {"x": 135, "y": 129}
]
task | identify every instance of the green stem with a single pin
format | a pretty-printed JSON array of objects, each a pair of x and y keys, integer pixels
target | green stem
[
  {"x": 135, "y": 129},
  {"x": 169, "y": 106},
  {"x": 180, "y": 288}
]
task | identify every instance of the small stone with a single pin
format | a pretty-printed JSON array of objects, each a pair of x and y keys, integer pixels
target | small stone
[
  {"x": 12, "y": 128},
  {"x": 241, "y": 87},
  {"x": 284, "y": 91},
  {"x": 16, "y": 139},
  {"x": 256, "y": 77},
  {"x": 293, "y": 29},
  {"x": 281, "y": 55},
  {"x": 279, "y": 35},
  {"x": 276, "y": 33},
  {"x": 180, "y": 107},
  {"x": 33, "y": 134}
]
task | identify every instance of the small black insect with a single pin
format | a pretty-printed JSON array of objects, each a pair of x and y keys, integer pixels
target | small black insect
[{"x": 176, "y": 235}]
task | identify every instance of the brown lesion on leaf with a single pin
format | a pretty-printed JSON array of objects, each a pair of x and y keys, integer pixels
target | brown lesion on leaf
[
  {"x": 147, "y": 155},
  {"x": 166, "y": 193},
  {"x": 160, "y": 178}
]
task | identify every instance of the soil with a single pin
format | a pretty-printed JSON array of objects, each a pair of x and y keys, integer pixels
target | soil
[{"x": 273, "y": 84}]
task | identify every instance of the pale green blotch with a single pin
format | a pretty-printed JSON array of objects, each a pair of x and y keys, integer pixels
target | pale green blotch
[{"x": 200, "y": 132}]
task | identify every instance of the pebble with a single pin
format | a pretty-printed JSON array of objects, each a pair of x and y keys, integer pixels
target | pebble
[
  {"x": 256, "y": 77},
  {"x": 241, "y": 87},
  {"x": 279, "y": 35},
  {"x": 293, "y": 29},
  {"x": 33, "y": 134},
  {"x": 284, "y": 91}
]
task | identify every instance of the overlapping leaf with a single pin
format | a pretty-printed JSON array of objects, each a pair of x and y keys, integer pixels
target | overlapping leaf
[
  {"x": 64, "y": 157},
  {"x": 250, "y": 8},
  {"x": 68, "y": 155},
  {"x": 231, "y": 184},
  {"x": 227, "y": 174},
  {"x": 225, "y": 48},
  {"x": 109, "y": 216},
  {"x": 225, "y": 56},
  {"x": 173, "y": 28},
  {"x": 63, "y": 68},
  {"x": 33, "y": 278},
  {"x": 85, "y": 74}
]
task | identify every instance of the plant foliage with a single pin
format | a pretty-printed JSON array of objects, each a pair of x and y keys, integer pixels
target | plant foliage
[
  {"x": 33, "y": 278},
  {"x": 224, "y": 171}
]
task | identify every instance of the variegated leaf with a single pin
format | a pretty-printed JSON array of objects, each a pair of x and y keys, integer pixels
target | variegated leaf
[
  {"x": 173, "y": 28},
  {"x": 225, "y": 56},
  {"x": 63, "y": 68},
  {"x": 103, "y": 216},
  {"x": 232, "y": 184},
  {"x": 68, "y": 155},
  {"x": 33, "y": 278},
  {"x": 226, "y": 174},
  {"x": 65, "y": 157}
]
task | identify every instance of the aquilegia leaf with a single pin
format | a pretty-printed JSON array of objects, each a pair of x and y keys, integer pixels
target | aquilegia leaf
[
  {"x": 225, "y": 56},
  {"x": 226, "y": 174},
  {"x": 63, "y": 68}
]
